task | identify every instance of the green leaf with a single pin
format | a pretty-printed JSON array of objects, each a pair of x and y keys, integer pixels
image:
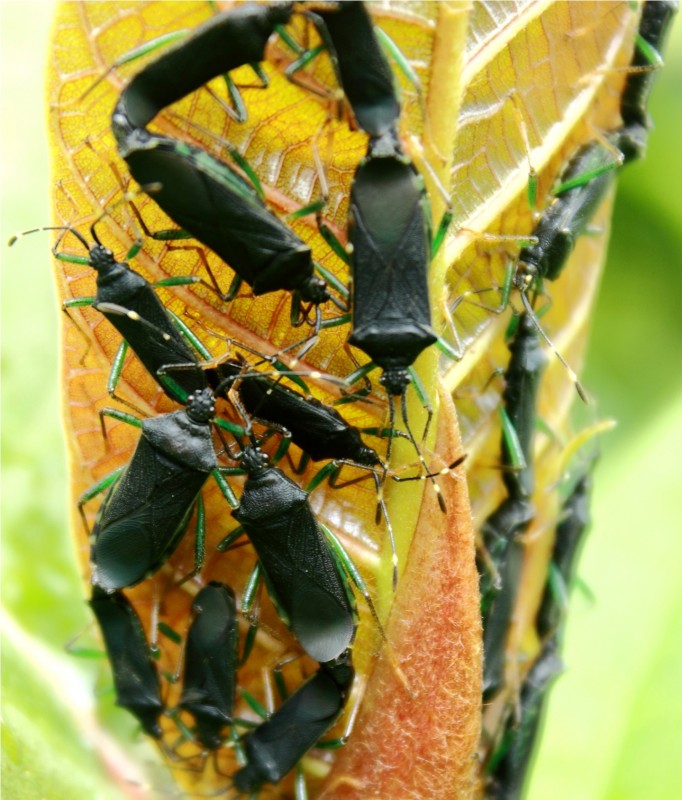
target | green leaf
[{"x": 49, "y": 725}]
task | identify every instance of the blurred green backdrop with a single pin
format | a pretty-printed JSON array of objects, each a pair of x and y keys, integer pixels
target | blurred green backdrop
[{"x": 615, "y": 722}]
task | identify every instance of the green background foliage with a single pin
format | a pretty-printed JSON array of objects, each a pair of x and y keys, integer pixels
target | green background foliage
[{"x": 613, "y": 732}]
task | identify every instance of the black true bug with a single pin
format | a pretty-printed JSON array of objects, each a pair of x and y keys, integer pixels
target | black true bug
[
  {"x": 300, "y": 568},
  {"x": 389, "y": 259},
  {"x": 135, "y": 675},
  {"x": 278, "y": 744},
  {"x": 516, "y": 511},
  {"x": 317, "y": 428},
  {"x": 584, "y": 184},
  {"x": 362, "y": 70},
  {"x": 566, "y": 218},
  {"x": 389, "y": 256},
  {"x": 575, "y": 519},
  {"x": 145, "y": 513},
  {"x": 204, "y": 197},
  {"x": 119, "y": 285},
  {"x": 199, "y": 192},
  {"x": 508, "y": 767},
  {"x": 653, "y": 27},
  {"x": 210, "y": 662}
]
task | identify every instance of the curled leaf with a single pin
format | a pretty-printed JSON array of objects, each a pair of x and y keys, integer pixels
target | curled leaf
[{"x": 505, "y": 88}]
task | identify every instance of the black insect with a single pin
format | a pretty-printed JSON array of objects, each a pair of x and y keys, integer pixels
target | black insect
[
  {"x": 500, "y": 530},
  {"x": 566, "y": 218},
  {"x": 120, "y": 286},
  {"x": 135, "y": 675},
  {"x": 317, "y": 428},
  {"x": 301, "y": 571},
  {"x": 278, "y": 744},
  {"x": 508, "y": 767},
  {"x": 226, "y": 41},
  {"x": 584, "y": 184},
  {"x": 575, "y": 520},
  {"x": 362, "y": 70},
  {"x": 389, "y": 255},
  {"x": 147, "y": 508},
  {"x": 210, "y": 658},
  {"x": 200, "y": 193},
  {"x": 389, "y": 260},
  {"x": 653, "y": 28}
]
